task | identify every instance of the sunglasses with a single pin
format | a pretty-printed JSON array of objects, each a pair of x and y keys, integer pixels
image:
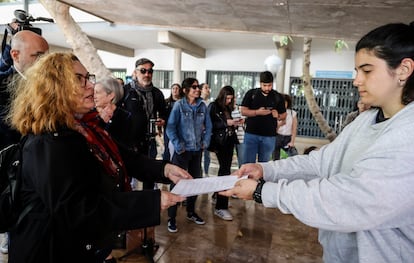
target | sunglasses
[
  {"x": 195, "y": 87},
  {"x": 144, "y": 71},
  {"x": 88, "y": 77}
]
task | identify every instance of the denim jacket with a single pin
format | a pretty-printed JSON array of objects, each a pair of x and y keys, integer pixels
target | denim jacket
[{"x": 189, "y": 129}]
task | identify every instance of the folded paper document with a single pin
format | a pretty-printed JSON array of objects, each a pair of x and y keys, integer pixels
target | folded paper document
[{"x": 191, "y": 187}]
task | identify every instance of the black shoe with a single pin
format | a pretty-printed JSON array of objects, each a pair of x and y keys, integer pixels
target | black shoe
[
  {"x": 111, "y": 260},
  {"x": 195, "y": 218},
  {"x": 172, "y": 226}
]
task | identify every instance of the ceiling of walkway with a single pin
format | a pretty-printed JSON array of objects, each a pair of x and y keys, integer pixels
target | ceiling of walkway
[{"x": 333, "y": 19}]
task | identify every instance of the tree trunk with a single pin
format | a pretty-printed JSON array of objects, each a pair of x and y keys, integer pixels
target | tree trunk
[
  {"x": 77, "y": 39},
  {"x": 309, "y": 95}
]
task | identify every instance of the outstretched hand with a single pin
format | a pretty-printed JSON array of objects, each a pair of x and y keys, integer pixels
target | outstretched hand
[
  {"x": 243, "y": 189},
  {"x": 175, "y": 173},
  {"x": 168, "y": 199},
  {"x": 253, "y": 170}
]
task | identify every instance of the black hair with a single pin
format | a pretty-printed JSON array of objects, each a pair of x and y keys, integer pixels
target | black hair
[
  {"x": 187, "y": 83},
  {"x": 392, "y": 43},
  {"x": 288, "y": 99},
  {"x": 221, "y": 98},
  {"x": 266, "y": 77}
]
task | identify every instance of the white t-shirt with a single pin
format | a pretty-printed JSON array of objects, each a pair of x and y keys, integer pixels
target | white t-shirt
[{"x": 287, "y": 128}]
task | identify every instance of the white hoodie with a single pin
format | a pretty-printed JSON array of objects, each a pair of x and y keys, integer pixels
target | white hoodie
[{"x": 358, "y": 190}]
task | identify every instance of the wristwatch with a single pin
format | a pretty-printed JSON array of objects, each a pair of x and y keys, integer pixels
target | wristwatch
[{"x": 257, "y": 194}]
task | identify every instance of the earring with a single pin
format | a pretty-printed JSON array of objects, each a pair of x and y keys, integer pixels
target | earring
[{"x": 401, "y": 82}]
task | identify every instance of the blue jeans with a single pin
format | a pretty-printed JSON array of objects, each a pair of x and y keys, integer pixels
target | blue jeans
[{"x": 262, "y": 146}]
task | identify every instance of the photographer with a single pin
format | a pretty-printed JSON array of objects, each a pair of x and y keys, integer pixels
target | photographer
[
  {"x": 19, "y": 23},
  {"x": 26, "y": 47}
]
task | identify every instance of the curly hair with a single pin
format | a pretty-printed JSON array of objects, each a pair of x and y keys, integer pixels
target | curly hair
[{"x": 47, "y": 97}]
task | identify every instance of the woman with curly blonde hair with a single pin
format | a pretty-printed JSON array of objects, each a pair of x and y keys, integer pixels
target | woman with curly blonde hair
[{"x": 72, "y": 172}]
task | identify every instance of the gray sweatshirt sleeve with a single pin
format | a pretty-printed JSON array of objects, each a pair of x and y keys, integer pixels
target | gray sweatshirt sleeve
[{"x": 363, "y": 180}]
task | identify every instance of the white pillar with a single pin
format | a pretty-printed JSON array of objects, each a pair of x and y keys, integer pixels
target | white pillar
[
  {"x": 284, "y": 53},
  {"x": 177, "y": 65}
]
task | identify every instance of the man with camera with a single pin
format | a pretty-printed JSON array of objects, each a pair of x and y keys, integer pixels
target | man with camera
[
  {"x": 263, "y": 107},
  {"x": 148, "y": 112},
  {"x": 26, "y": 47}
]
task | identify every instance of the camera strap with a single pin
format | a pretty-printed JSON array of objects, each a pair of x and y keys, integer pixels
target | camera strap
[{"x": 3, "y": 43}]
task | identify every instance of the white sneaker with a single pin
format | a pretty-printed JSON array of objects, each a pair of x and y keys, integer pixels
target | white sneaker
[
  {"x": 4, "y": 246},
  {"x": 223, "y": 214}
]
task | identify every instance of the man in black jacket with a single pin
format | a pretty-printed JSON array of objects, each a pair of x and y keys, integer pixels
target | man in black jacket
[{"x": 146, "y": 104}]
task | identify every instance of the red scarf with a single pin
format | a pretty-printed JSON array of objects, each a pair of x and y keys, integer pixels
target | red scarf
[{"x": 103, "y": 147}]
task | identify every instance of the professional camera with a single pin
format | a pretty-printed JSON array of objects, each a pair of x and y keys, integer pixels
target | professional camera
[
  {"x": 20, "y": 22},
  {"x": 23, "y": 21},
  {"x": 152, "y": 128}
]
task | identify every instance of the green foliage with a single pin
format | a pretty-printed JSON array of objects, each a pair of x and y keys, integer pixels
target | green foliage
[
  {"x": 283, "y": 40},
  {"x": 340, "y": 44}
]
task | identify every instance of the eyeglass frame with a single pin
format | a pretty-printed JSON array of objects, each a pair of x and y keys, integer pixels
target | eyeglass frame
[{"x": 88, "y": 77}]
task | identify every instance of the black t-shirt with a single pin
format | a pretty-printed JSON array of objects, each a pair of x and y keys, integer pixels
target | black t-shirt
[{"x": 263, "y": 125}]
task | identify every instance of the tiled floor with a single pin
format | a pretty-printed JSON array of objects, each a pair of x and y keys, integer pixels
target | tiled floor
[{"x": 256, "y": 234}]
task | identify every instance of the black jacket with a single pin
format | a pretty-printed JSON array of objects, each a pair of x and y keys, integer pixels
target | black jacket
[
  {"x": 7, "y": 134},
  {"x": 137, "y": 134},
  {"x": 76, "y": 205}
]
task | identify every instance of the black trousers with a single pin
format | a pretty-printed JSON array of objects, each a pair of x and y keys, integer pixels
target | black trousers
[
  {"x": 224, "y": 155},
  {"x": 281, "y": 142},
  {"x": 190, "y": 161}
]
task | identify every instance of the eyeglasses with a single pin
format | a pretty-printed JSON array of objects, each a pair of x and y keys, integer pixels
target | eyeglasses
[
  {"x": 88, "y": 77},
  {"x": 144, "y": 70},
  {"x": 195, "y": 87},
  {"x": 37, "y": 55}
]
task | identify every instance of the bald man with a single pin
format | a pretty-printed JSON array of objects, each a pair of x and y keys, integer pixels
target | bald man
[{"x": 26, "y": 47}]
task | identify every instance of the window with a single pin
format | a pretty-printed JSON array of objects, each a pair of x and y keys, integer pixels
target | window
[
  {"x": 240, "y": 81},
  {"x": 163, "y": 79},
  {"x": 335, "y": 97},
  {"x": 119, "y": 73}
]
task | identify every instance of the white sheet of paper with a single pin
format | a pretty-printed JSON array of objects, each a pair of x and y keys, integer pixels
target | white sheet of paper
[{"x": 191, "y": 187}]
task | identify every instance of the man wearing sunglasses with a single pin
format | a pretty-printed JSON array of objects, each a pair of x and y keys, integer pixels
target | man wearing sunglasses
[{"x": 147, "y": 107}]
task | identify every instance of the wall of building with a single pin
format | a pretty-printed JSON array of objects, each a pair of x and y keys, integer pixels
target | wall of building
[{"x": 323, "y": 58}]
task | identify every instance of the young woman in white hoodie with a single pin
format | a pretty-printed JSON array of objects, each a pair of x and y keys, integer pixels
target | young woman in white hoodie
[{"x": 357, "y": 190}]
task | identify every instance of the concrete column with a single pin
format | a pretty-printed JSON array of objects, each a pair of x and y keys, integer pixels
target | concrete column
[
  {"x": 177, "y": 65},
  {"x": 284, "y": 53}
]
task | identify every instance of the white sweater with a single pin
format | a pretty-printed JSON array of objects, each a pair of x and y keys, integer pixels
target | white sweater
[{"x": 358, "y": 190}]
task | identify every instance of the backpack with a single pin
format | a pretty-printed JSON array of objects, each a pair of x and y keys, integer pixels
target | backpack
[{"x": 11, "y": 212}]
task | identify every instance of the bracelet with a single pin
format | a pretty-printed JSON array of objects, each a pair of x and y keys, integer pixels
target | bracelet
[
  {"x": 257, "y": 194},
  {"x": 255, "y": 112}
]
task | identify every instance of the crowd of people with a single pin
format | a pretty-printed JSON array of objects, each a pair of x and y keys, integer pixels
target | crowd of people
[{"x": 87, "y": 143}]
